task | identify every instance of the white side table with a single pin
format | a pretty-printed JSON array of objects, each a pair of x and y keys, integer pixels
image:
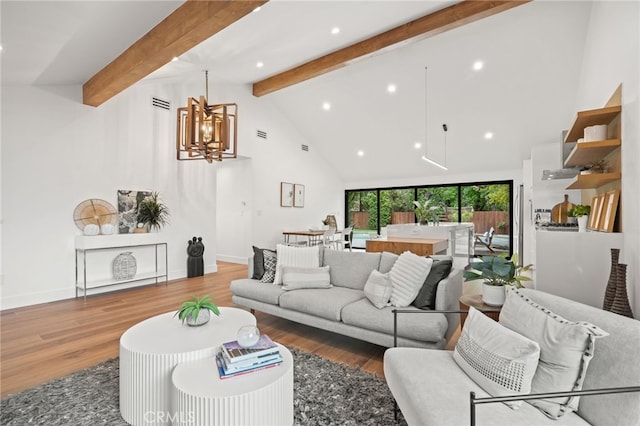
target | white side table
[
  {"x": 151, "y": 349},
  {"x": 262, "y": 397}
]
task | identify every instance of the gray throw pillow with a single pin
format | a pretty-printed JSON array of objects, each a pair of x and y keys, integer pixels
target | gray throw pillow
[
  {"x": 426, "y": 298},
  {"x": 258, "y": 263}
]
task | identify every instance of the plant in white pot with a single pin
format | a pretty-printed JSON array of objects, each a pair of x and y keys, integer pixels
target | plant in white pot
[
  {"x": 197, "y": 311},
  {"x": 496, "y": 272},
  {"x": 152, "y": 212},
  {"x": 581, "y": 212}
]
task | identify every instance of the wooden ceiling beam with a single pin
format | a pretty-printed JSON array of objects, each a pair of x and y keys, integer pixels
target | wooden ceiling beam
[
  {"x": 435, "y": 23},
  {"x": 189, "y": 25}
]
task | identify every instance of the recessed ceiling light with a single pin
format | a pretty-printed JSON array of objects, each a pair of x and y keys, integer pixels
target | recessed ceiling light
[
  {"x": 326, "y": 106},
  {"x": 175, "y": 58},
  {"x": 257, "y": 9},
  {"x": 360, "y": 153},
  {"x": 391, "y": 88},
  {"x": 417, "y": 145},
  {"x": 335, "y": 30},
  {"x": 488, "y": 135},
  {"x": 259, "y": 64},
  {"x": 478, "y": 65}
]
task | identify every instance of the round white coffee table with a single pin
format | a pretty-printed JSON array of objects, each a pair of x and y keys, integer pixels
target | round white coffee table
[
  {"x": 151, "y": 349},
  {"x": 262, "y": 397}
]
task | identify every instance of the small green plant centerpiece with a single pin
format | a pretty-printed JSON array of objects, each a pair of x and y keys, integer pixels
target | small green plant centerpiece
[
  {"x": 152, "y": 212},
  {"x": 579, "y": 210},
  {"x": 497, "y": 272},
  {"x": 197, "y": 311}
]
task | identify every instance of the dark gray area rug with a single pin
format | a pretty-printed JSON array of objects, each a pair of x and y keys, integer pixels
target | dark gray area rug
[{"x": 325, "y": 393}]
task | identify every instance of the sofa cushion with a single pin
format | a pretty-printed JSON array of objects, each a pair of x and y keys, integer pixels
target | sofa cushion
[
  {"x": 500, "y": 360},
  {"x": 296, "y": 278},
  {"x": 387, "y": 260},
  {"x": 270, "y": 261},
  {"x": 254, "y": 289},
  {"x": 325, "y": 303},
  {"x": 407, "y": 276},
  {"x": 378, "y": 289},
  {"x": 303, "y": 257},
  {"x": 428, "y": 327},
  {"x": 566, "y": 348},
  {"x": 350, "y": 269},
  {"x": 426, "y": 298}
]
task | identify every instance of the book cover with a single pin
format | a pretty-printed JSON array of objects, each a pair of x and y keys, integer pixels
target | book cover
[
  {"x": 234, "y": 368},
  {"x": 224, "y": 375},
  {"x": 251, "y": 361},
  {"x": 235, "y": 352}
]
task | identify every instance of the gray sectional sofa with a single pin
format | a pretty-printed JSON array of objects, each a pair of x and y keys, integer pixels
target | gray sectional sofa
[{"x": 344, "y": 309}]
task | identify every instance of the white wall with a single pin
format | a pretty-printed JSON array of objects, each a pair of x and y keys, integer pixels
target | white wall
[
  {"x": 611, "y": 57},
  {"x": 57, "y": 152}
]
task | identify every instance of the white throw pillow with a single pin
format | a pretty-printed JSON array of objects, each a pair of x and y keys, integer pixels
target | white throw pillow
[
  {"x": 301, "y": 257},
  {"x": 407, "y": 276},
  {"x": 378, "y": 289},
  {"x": 566, "y": 348},
  {"x": 499, "y": 360},
  {"x": 294, "y": 278}
]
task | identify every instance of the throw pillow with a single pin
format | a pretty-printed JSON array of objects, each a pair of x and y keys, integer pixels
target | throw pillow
[
  {"x": 566, "y": 348},
  {"x": 378, "y": 289},
  {"x": 302, "y": 257},
  {"x": 270, "y": 262},
  {"x": 294, "y": 278},
  {"x": 407, "y": 276},
  {"x": 258, "y": 263},
  {"x": 426, "y": 298},
  {"x": 499, "y": 360}
]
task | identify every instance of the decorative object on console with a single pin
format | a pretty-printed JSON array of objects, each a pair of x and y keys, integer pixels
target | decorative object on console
[
  {"x": 107, "y": 229},
  {"x": 197, "y": 311},
  {"x": 248, "y": 335},
  {"x": 497, "y": 272},
  {"x": 195, "y": 262},
  {"x": 124, "y": 266},
  {"x": 152, "y": 212},
  {"x": 286, "y": 194},
  {"x": 94, "y": 211},
  {"x": 207, "y": 132},
  {"x": 298, "y": 195},
  {"x": 128, "y": 202},
  {"x": 91, "y": 230},
  {"x": 581, "y": 212}
]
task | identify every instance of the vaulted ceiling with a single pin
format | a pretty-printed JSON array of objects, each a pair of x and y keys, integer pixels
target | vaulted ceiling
[{"x": 523, "y": 95}]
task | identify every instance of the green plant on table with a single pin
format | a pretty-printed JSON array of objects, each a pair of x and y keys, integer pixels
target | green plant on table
[
  {"x": 579, "y": 210},
  {"x": 152, "y": 212},
  {"x": 191, "y": 308},
  {"x": 498, "y": 270}
]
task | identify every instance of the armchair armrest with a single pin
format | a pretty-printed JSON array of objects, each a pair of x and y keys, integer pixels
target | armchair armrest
[
  {"x": 412, "y": 311},
  {"x": 488, "y": 400}
]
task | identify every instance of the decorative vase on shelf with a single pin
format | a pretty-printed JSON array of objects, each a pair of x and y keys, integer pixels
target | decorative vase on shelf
[
  {"x": 204, "y": 315},
  {"x": 610, "y": 292},
  {"x": 493, "y": 295},
  {"x": 620, "y": 304},
  {"x": 582, "y": 223}
]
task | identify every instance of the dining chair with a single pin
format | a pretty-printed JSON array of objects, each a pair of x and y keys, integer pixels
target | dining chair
[
  {"x": 328, "y": 238},
  {"x": 345, "y": 239}
]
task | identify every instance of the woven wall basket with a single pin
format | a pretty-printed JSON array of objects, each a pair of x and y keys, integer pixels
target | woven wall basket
[{"x": 124, "y": 266}]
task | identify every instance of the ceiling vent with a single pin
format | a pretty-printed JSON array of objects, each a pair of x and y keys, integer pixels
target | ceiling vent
[
  {"x": 160, "y": 103},
  {"x": 261, "y": 134},
  {"x": 305, "y": 147}
]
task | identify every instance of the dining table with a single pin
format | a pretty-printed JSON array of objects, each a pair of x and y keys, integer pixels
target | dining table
[{"x": 311, "y": 237}]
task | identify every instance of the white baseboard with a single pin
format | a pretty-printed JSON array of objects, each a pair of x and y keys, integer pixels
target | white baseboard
[{"x": 232, "y": 259}]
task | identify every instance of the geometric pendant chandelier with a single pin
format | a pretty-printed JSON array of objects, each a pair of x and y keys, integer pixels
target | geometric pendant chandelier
[{"x": 207, "y": 132}]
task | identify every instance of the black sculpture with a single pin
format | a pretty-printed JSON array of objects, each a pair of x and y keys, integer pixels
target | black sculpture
[{"x": 195, "y": 262}]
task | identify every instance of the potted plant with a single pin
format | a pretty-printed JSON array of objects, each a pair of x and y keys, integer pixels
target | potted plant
[
  {"x": 197, "y": 311},
  {"x": 581, "y": 212},
  {"x": 152, "y": 213},
  {"x": 496, "y": 272},
  {"x": 425, "y": 212}
]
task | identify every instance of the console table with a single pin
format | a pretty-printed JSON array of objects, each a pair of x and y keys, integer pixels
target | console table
[{"x": 85, "y": 245}]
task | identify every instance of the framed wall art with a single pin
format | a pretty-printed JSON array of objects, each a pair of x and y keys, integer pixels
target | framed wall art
[
  {"x": 609, "y": 209},
  {"x": 596, "y": 212},
  {"x": 128, "y": 202},
  {"x": 286, "y": 194},
  {"x": 298, "y": 195}
]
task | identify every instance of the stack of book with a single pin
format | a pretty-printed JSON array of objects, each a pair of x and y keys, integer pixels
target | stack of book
[{"x": 234, "y": 360}]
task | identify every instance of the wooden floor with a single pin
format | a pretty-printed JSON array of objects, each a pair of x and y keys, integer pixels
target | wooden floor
[{"x": 43, "y": 342}]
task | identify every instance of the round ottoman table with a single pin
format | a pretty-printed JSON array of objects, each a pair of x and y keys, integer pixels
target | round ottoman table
[
  {"x": 151, "y": 349},
  {"x": 263, "y": 397}
]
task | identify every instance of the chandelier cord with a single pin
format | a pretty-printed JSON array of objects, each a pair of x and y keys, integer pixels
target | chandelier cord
[{"x": 206, "y": 83}]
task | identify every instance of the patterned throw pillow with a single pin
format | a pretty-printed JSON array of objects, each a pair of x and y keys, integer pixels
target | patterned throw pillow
[
  {"x": 499, "y": 360},
  {"x": 270, "y": 261},
  {"x": 407, "y": 276}
]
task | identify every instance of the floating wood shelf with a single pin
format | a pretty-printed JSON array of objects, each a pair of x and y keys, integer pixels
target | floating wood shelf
[
  {"x": 589, "y": 152},
  {"x": 594, "y": 180},
  {"x": 590, "y": 118}
]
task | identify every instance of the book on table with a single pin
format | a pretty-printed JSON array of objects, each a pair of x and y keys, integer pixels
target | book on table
[
  {"x": 227, "y": 370},
  {"x": 236, "y": 353}
]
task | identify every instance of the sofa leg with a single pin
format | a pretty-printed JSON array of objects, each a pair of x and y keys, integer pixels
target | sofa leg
[{"x": 253, "y": 311}]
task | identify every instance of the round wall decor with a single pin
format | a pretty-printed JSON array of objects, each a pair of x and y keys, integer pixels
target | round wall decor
[{"x": 94, "y": 211}]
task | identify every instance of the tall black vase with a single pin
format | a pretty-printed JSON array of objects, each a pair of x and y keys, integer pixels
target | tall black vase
[
  {"x": 610, "y": 292},
  {"x": 620, "y": 304}
]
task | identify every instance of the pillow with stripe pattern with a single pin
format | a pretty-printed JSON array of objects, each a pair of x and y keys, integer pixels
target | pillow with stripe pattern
[
  {"x": 294, "y": 278},
  {"x": 407, "y": 276},
  {"x": 301, "y": 257}
]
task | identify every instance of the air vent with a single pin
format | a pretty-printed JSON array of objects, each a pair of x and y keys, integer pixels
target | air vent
[
  {"x": 160, "y": 103},
  {"x": 305, "y": 147},
  {"x": 261, "y": 134}
]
